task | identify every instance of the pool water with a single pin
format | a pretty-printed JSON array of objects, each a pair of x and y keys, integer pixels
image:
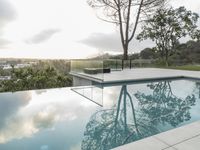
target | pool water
[{"x": 61, "y": 119}]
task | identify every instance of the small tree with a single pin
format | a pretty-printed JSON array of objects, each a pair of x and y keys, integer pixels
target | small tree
[
  {"x": 126, "y": 14},
  {"x": 167, "y": 27}
]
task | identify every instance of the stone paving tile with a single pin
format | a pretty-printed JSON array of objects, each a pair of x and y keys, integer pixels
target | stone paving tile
[
  {"x": 191, "y": 144},
  {"x": 170, "y": 148},
  {"x": 180, "y": 134}
]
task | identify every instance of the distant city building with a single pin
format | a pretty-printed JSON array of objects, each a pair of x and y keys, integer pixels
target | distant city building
[
  {"x": 5, "y": 78},
  {"x": 9, "y": 66},
  {"x": 6, "y": 66}
]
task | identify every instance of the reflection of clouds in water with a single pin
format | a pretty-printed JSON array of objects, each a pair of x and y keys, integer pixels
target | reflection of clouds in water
[
  {"x": 45, "y": 118},
  {"x": 111, "y": 94},
  {"x": 76, "y": 147},
  {"x": 42, "y": 112},
  {"x": 44, "y": 147},
  {"x": 40, "y": 91},
  {"x": 16, "y": 128},
  {"x": 21, "y": 126},
  {"x": 11, "y": 103}
]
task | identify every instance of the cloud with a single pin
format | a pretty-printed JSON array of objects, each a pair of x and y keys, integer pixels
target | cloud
[
  {"x": 4, "y": 43},
  {"x": 7, "y": 12},
  {"x": 104, "y": 41},
  {"x": 42, "y": 36},
  {"x": 111, "y": 42}
]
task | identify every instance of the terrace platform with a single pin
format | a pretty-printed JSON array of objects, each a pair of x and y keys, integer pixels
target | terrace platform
[{"x": 137, "y": 74}]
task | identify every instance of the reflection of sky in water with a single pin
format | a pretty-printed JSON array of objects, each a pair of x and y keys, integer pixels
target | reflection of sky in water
[
  {"x": 49, "y": 120},
  {"x": 55, "y": 119}
]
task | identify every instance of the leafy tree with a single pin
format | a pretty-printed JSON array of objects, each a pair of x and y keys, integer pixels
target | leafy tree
[
  {"x": 148, "y": 53},
  {"x": 196, "y": 35},
  {"x": 167, "y": 27},
  {"x": 186, "y": 53},
  {"x": 126, "y": 14}
]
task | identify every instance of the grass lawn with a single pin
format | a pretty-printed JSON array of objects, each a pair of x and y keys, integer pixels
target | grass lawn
[{"x": 186, "y": 67}]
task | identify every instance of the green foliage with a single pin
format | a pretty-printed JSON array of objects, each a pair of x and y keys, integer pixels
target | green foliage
[
  {"x": 4, "y": 72},
  {"x": 61, "y": 66},
  {"x": 187, "y": 67},
  {"x": 167, "y": 27},
  {"x": 29, "y": 78},
  {"x": 148, "y": 53},
  {"x": 196, "y": 35}
]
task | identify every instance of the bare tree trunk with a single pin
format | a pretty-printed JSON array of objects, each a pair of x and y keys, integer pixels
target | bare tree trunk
[
  {"x": 166, "y": 58},
  {"x": 125, "y": 56}
]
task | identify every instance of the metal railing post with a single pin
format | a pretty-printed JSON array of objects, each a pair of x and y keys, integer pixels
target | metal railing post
[{"x": 122, "y": 64}]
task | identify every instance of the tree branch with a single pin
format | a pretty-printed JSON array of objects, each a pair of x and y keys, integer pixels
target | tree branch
[{"x": 136, "y": 21}]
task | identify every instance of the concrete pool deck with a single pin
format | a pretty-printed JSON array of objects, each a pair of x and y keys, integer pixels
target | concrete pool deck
[
  {"x": 148, "y": 73},
  {"x": 137, "y": 74}
]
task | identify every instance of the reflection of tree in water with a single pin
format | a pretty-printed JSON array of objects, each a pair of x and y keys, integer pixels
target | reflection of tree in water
[
  {"x": 123, "y": 124},
  {"x": 116, "y": 126},
  {"x": 163, "y": 106},
  {"x": 198, "y": 87}
]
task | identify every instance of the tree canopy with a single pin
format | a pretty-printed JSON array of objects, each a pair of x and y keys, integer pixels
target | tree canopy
[
  {"x": 29, "y": 78},
  {"x": 167, "y": 27}
]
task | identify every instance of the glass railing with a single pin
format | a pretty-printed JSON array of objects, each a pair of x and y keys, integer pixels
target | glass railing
[
  {"x": 92, "y": 69},
  {"x": 95, "y": 69},
  {"x": 93, "y": 93},
  {"x": 113, "y": 64}
]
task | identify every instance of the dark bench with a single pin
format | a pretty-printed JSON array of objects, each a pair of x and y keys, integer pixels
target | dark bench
[{"x": 96, "y": 70}]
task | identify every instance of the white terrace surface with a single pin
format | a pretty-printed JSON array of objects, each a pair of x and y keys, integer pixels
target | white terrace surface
[
  {"x": 142, "y": 74},
  {"x": 148, "y": 73}
]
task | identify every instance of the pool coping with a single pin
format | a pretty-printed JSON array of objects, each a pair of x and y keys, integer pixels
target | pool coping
[
  {"x": 88, "y": 77},
  {"x": 143, "y": 80}
]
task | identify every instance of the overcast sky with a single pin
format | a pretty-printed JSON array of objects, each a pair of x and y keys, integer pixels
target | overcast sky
[{"x": 61, "y": 29}]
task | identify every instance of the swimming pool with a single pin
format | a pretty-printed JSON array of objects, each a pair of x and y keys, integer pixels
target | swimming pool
[{"x": 61, "y": 119}]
